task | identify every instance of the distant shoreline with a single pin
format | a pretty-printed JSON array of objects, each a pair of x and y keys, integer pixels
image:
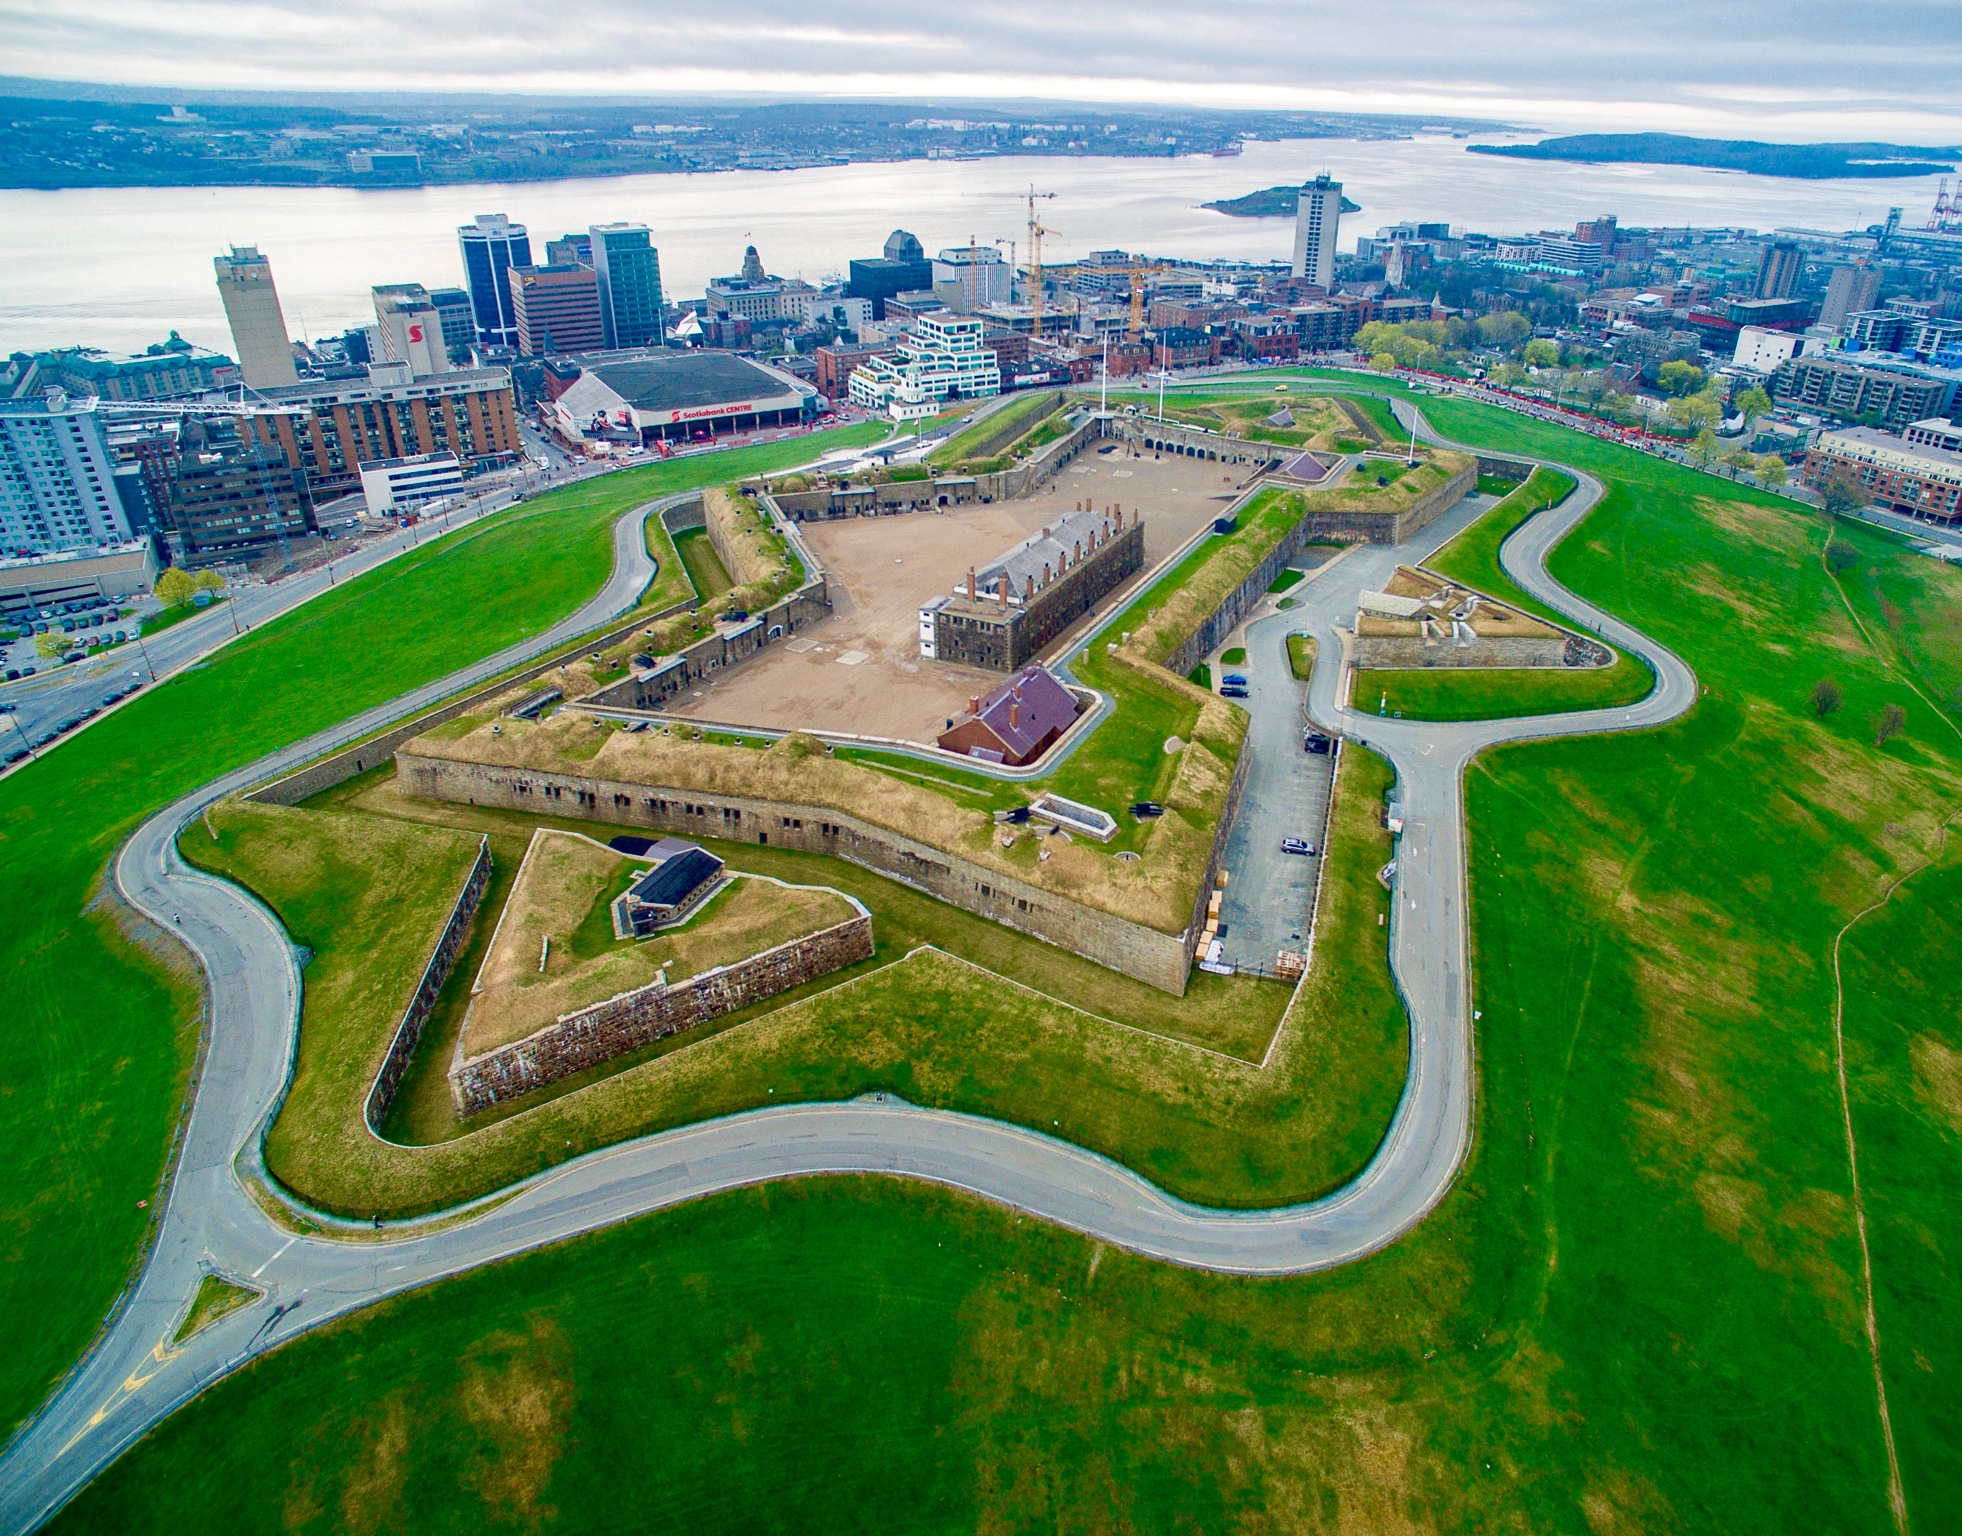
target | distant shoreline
[{"x": 1803, "y": 162}]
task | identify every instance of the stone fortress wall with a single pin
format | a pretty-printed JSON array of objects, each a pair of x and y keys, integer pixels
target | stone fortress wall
[
  {"x": 442, "y": 961},
  {"x": 1160, "y": 959},
  {"x": 624, "y": 1023}
]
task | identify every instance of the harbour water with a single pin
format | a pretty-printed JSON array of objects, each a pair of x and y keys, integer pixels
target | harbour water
[{"x": 119, "y": 268}]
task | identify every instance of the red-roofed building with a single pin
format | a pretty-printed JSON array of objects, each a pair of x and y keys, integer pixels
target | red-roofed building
[{"x": 1017, "y": 722}]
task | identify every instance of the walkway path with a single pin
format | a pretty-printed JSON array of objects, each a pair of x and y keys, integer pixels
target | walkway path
[{"x": 133, "y": 1377}]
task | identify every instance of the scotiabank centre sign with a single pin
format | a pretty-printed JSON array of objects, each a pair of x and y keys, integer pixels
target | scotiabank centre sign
[{"x": 728, "y": 408}]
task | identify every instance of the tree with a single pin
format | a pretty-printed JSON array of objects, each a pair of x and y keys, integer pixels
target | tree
[
  {"x": 1840, "y": 495},
  {"x": 1705, "y": 447},
  {"x": 1888, "y": 724},
  {"x": 1508, "y": 328},
  {"x": 1826, "y": 697},
  {"x": 1840, "y": 555},
  {"x": 1738, "y": 460},
  {"x": 1541, "y": 353},
  {"x": 1383, "y": 362},
  {"x": 1679, "y": 377},
  {"x": 1771, "y": 470},
  {"x": 51, "y": 645},
  {"x": 209, "y": 581},
  {"x": 1701, "y": 411},
  {"x": 1753, "y": 402},
  {"x": 176, "y": 587}
]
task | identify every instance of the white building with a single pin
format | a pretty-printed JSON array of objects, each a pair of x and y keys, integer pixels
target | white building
[
  {"x": 393, "y": 485},
  {"x": 1762, "y": 350},
  {"x": 245, "y": 284},
  {"x": 839, "y": 308},
  {"x": 1316, "y": 216},
  {"x": 942, "y": 360},
  {"x": 411, "y": 329},
  {"x": 743, "y": 299},
  {"x": 978, "y": 271},
  {"x": 58, "y": 487}
]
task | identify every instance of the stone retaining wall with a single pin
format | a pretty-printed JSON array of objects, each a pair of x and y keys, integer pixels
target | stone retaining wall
[
  {"x": 1378, "y": 652},
  {"x": 441, "y": 961},
  {"x": 633, "y": 1019},
  {"x": 1197, "y": 442},
  {"x": 1160, "y": 959}
]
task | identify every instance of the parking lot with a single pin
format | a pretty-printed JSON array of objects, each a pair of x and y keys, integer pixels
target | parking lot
[{"x": 859, "y": 670}]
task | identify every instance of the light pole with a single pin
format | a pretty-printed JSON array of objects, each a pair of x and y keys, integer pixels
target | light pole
[
  {"x": 1163, "y": 375},
  {"x": 12, "y": 712},
  {"x": 1103, "y": 387},
  {"x": 144, "y": 650}
]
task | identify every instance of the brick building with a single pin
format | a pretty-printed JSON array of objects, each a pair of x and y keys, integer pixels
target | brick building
[
  {"x": 1016, "y": 723},
  {"x": 1916, "y": 478},
  {"x": 1002, "y": 616}
]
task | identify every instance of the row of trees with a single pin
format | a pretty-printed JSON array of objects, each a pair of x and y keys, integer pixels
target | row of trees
[{"x": 177, "y": 586}]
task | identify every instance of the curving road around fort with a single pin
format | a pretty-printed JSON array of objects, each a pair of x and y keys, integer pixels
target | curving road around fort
[{"x": 133, "y": 1377}]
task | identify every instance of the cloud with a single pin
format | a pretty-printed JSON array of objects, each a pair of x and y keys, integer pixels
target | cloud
[{"x": 1799, "y": 68}]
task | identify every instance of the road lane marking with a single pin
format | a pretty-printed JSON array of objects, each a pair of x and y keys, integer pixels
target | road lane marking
[{"x": 269, "y": 1262}]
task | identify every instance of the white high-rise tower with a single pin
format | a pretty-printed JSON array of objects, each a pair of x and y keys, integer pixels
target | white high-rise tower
[
  {"x": 1315, "y": 219},
  {"x": 245, "y": 283}
]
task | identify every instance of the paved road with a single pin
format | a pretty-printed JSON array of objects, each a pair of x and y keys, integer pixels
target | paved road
[{"x": 132, "y": 1378}]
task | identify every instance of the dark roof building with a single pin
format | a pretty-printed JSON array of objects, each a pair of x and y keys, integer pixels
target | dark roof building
[
  {"x": 1017, "y": 722},
  {"x": 673, "y": 391},
  {"x": 682, "y": 877}
]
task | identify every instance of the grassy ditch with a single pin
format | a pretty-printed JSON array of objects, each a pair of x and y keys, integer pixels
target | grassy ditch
[
  {"x": 992, "y": 434},
  {"x": 1500, "y": 693},
  {"x": 102, "y": 1013},
  {"x": 215, "y": 1297},
  {"x": 1169, "y": 1085}
]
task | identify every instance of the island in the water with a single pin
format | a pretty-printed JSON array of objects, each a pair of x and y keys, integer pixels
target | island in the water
[
  {"x": 1268, "y": 203},
  {"x": 1813, "y": 162}
]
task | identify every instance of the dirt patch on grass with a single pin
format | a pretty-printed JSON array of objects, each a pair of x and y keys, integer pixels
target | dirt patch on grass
[
  {"x": 1938, "y": 1078},
  {"x": 517, "y": 1394},
  {"x": 1767, "y": 527}
]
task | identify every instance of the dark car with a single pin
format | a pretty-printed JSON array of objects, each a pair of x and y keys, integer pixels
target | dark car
[
  {"x": 1296, "y": 845},
  {"x": 1316, "y": 742},
  {"x": 1234, "y": 680},
  {"x": 1227, "y": 691},
  {"x": 1146, "y": 809}
]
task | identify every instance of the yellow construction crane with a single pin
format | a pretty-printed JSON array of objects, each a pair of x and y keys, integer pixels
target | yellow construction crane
[{"x": 1036, "y": 232}]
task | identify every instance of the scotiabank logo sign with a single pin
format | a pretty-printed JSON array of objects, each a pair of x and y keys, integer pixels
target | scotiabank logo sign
[
  {"x": 702, "y": 413},
  {"x": 415, "y": 330}
]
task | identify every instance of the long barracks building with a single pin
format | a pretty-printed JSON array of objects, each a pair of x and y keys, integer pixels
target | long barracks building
[
  {"x": 1003, "y": 616},
  {"x": 329, "y": 430}
]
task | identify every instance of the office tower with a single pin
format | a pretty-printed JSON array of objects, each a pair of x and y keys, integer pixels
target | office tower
[
  {"x": 903, "y": 268},
  {"x": 57, "y": 478},
  {"x": 459, "y": 323},
  {"x": 977, "y": 271},
  {"x": 1778, "y": 270},
  {"x": 629, "y": 272},
  {"x": 491, "y": 247},
  {"x": 411, "y": 329},
  {"x": 1315, "y": 219},
  {"x": 902, "y": 246},
  {"x": 1852, "y": 288},
  {"x": 558, "y": 309},
  {"x": 245, "y": 284},
  {"x": 1599, "y": 232},
  {"x": 569, "y": 250}
]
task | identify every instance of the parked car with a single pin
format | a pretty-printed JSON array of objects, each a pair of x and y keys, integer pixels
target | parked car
[
  {"x": 13, "y": 674},
  {"x": 1316, "y": 742},
  {"x": 1234, "y": 679},
  {"x": 1227, "y": 691},
  {"x": 1296, "y": 845}
]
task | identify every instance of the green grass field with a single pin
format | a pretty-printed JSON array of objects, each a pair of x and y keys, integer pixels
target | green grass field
[
  {"x": 1640, "y": 1308},
  {"x": 1025, "y": 411},
  {"x": 703, "y": 565},
  {"x": 1499, "y": 693},
  {"x": 103, "y": 1018}
]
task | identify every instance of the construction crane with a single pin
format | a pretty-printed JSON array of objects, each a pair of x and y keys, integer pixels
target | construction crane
[
  {"x": 1139, "y": 270},
  {"x": 1946, "y": 217},
  {"x": 1036, "y": 232}
]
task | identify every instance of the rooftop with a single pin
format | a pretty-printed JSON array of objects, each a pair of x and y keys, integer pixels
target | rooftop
[
  {"x": 1044, "y": 555},
  {"x": 686, "y": 379}
]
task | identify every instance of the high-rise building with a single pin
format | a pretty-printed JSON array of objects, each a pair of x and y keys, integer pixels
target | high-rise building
[
  {"x": 459, "y": 323},
  {"x": 978, "y": 272},
  {"x": 1778, "y": 270},
  {"x": 902, "y": 268},
  {"x": 491, "y": 247},
  {"x": 558, "y": 309},
  {"x": 1316, "y": 216},
  {"x": 1852, "y": 288},
  {"x": 57, "y": 478},
  {"x": 629, "y": 271},
  {"x": 568, "y": 250},
  {"x": 411, "y": 329},
  {"x": 245, "y": 284}
]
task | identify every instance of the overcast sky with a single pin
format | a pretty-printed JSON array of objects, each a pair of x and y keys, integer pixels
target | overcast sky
[{"x": 1796, "y": 69}]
